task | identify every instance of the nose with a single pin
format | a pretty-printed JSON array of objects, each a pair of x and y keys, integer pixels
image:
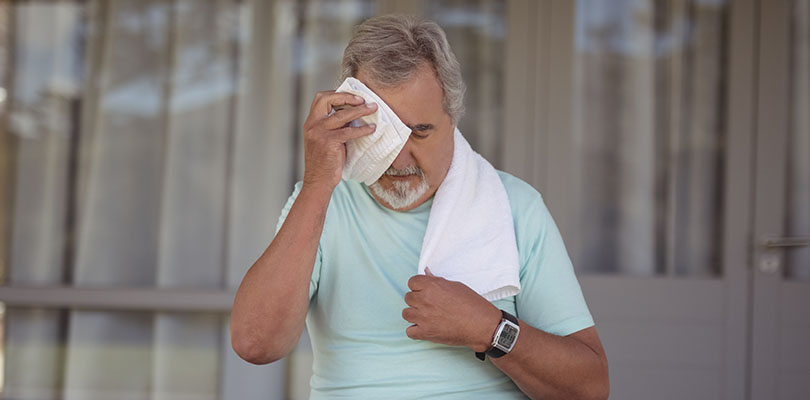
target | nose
[{"x": 405, "y": 158}]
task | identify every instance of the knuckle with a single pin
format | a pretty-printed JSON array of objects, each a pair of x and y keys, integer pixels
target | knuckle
[
  {"x": 341, "y": 134},
  {"x": 344, "y": 116}
]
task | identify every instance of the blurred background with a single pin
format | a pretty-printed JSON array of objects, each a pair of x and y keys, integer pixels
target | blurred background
[{"x": 147, "y": 147}]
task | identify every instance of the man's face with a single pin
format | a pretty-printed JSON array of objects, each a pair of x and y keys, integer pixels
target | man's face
[{"x": 421, "y": 166}]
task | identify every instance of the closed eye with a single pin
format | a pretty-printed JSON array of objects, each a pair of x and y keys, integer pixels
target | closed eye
[{"x": 421, "y": 131}]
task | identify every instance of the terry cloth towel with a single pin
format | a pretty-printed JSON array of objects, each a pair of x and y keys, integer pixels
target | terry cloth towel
[
  {"x": 470, "y": 235},
  {"x": 368, "y": 157}
]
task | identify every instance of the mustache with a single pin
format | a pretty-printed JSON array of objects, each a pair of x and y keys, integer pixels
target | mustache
[{"x": 410, "y": 170}]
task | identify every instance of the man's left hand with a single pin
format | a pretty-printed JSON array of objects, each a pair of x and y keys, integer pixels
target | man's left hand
[{"x": 449, "y": 312}]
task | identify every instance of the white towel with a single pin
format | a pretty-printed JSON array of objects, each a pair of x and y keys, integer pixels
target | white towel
[
  {"x": 368, "y": 157},
  {"x": 470, "y": 235}
]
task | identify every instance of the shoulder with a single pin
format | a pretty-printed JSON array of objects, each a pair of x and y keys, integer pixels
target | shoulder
[
  {"x": 344, "y": 199},
  {"x": 347, "y": 192},
  {"x": 531, "y": 217},
  {"x": 523, "y": 197}
]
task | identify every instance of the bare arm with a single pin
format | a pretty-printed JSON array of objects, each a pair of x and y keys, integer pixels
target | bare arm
[
  {"x": 271, "y": 304},
  {"x": 546, "y": 366},
  {"x": 541, "y": 364}
]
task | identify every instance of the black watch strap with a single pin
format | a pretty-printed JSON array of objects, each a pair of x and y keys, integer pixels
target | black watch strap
[{"x": 493, "y": 351}]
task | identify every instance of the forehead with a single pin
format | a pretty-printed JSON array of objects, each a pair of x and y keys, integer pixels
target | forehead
[{"x": 416, "y": 101}]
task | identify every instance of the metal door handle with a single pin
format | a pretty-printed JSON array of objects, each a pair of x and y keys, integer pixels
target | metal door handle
[
  {"x": 776, "y": 241},
  {"x": 770, "y": 260}
]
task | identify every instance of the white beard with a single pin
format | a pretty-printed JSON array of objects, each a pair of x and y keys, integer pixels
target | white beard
[{"x": 401, "y": 195}]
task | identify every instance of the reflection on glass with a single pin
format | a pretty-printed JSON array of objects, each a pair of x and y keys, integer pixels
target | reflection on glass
[
  {"x": 477, "y": 34},
  {"x": 798, "y": 196},
  {"x": 649, "y": 136},
  {"x": 46, "y": 81},
  {"x": 121, "y": 115},
  {"x": 160, "y": 355},
  {"x": 34, "y": 353}
]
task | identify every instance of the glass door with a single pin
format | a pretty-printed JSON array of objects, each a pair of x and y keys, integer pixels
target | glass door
[{"x": 781, "y": 270}]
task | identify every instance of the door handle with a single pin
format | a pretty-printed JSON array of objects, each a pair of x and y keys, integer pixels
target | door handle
[
  {"x": 777, "y": 241},
  {"x": 770, "y": 262}
]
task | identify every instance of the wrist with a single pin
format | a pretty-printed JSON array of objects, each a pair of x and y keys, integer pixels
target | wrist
[
  {"x": 489, "y": 324},
  {"x": 317, "y": 190}
]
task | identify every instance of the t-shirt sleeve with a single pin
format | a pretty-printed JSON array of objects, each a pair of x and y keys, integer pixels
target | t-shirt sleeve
[
  {"x": 550, "y": 298},
  {"x": 316, "y": 270}
]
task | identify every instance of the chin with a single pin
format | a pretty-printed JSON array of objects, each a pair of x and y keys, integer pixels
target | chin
[{"x": 401, "y": 194}]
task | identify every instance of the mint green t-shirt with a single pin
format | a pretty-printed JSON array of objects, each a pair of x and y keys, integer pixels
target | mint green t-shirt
[{"x": 365, "y": 257}]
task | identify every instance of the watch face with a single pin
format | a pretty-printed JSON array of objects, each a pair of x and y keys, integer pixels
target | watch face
[{"x": 507, "y": 337}]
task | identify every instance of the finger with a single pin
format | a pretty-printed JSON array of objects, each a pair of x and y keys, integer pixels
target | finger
[
  {"x": 411, "y": 299},
  {"x": 343, "y": 117},
  {"x": 414, "y": 332},
  {"x": 427, "y": 272},
  {"x": 410, "y": 314},
  {"x": 349, "y": 133},
  {"x": 417, "y": 282},
  {"x": 324, "y": 102}
]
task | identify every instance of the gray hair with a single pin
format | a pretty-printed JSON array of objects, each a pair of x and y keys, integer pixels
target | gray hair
[{"x": 392, "y": 47}]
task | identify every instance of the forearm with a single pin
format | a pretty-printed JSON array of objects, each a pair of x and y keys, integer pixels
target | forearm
[
  {"x": 270, "y": 306},
  {"x": 546, "y": 366}
]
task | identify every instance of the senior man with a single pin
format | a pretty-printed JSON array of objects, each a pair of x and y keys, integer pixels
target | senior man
[{"x": 345, "y": 255}]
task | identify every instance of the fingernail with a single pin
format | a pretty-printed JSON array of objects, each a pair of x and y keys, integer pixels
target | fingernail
[
  {"x": 372, "y": 126},
  {"x": 358, "y": 98},
  {"x": 371, "y": 105}
]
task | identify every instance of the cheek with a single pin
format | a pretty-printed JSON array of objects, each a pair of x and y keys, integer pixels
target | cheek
[{"x": 435, "y": 161}]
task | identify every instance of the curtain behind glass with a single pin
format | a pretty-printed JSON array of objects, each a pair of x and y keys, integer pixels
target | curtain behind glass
[
  {"x": 46, "y": 68},
  {"x": 122, "y": 114},
  {"x": 649, "y": 135},
  {"x": 154, "y": 186}
]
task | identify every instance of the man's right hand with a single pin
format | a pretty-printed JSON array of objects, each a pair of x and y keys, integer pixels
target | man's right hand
[{"x": 325, "y": 136}]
